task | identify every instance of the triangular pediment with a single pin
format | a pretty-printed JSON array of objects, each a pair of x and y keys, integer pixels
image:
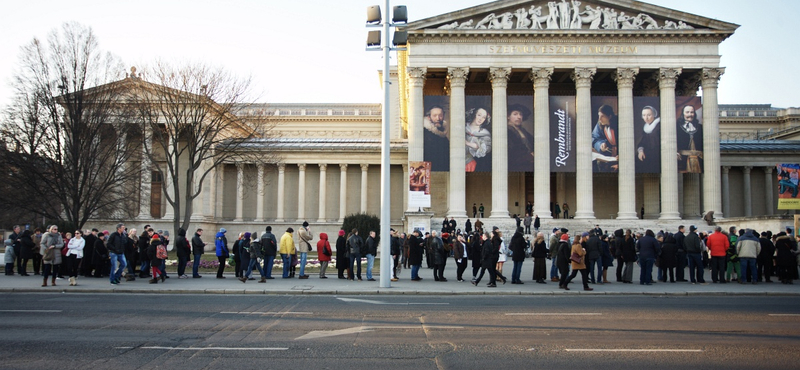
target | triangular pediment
[{"x": 570, "y": 15}]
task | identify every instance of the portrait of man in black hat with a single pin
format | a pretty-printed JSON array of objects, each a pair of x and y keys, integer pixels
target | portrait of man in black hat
[{"x": 520, "y": 141}]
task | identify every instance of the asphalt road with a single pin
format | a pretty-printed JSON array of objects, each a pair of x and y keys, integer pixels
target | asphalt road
[{"x": 113, "y": 331}]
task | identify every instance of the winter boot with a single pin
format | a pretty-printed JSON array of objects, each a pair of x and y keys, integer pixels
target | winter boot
[
  {"x": 154, "y": 281},
  {"x": 44, "y": 282},
  {"x": 263, "y": 280},
  {"x": 71, "y": 281},
  {"x": 53, "y": 282}
]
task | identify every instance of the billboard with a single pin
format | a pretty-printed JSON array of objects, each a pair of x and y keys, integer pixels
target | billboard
[
  {"x": 419, "y": 184},
  {"x": 605, "y": 134},
  {"x": 478, "y": 146},
  {"x": 520, "y": 133},
  {"x": 562, "y": 134},
  {"x": 436, "y": 132},
  {"x": 647, "y": 134},
  {"x": 689, "y": 134},
  {"x": 788, "y": 185}
]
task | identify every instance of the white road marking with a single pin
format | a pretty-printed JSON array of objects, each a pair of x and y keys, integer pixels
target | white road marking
[
  {"x": 266, "y": 313},
  {"x": 215, "y": 348},
  {"x": 784, "y": 314},
  {"x": 554, "y": 314},
  {"x": 31, "y": 311},
  {"x": 355, "y": 300},
  {"x": 629, "y": 350},
  {"x": 362, "y": 329}
]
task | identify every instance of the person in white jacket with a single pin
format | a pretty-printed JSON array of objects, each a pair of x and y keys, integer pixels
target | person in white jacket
[{"x": 74, "y": 256}]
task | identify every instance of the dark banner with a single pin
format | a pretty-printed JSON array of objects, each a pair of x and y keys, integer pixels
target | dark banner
[
  {"x": 605, "y": 134},
  {"x": 520, "y": 133},
  {"x": 689, "y": 134},
  {"x": 436, "y": 132},
  {"x": 562, "y": 134},
  {"x": 478, "y": 133},
  {"x": 647, "y": 134}
]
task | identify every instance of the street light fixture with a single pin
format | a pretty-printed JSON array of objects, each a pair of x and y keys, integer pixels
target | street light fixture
[{"x": 374, "y": 20}]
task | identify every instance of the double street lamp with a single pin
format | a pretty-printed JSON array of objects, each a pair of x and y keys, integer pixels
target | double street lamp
[{"x": 374, "y": 20}]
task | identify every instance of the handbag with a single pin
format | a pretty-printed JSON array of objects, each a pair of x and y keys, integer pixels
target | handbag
[
  {"x": 49, "y": 255},
  {"x": 575, "y": 257}
]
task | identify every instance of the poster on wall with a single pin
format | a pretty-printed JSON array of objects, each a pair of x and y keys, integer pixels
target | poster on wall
[
  {"x": 436, "y": 132},
  {"x": 478, "y": 134},
  {"x": 788, "y": 186},
  {"x": 647, "y": 134},
  {"x": 419, "y": 184},
  {"x": 562, "y": 134},
  {"x": 605, "y": 134},
  {"x": 520, "y": 133},
  {"x": 689, "y": 134}
]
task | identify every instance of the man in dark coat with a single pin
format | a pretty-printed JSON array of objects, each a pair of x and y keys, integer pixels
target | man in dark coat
[
  {"x": 619, "y": 239},
  {"x": 694, "y": 250},
  {"x": 680, "y": 255},
  {"x": 765, "y": 258},
  {"x": 437, "y": 249},
  {"x": 198, "y": 248},
  {"x": 517, "y": 247},
  {"x": 649, "y": 249},
  {"x": 563, "y": 259},
  {"x": 415, "y": 248},
  {"x": 594, "y": 248}
]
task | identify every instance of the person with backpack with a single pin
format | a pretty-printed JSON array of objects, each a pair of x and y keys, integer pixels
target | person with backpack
[
  {"x": 324, "y": 253},
  {"x": 270, "y": 246},
  {"x": 157, "y": 253},
  {"x": 254, "y": 251},
  {"x": 221, "y": 244}
]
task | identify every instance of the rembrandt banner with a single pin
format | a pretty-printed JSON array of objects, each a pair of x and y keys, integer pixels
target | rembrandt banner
[
  {"x": 419, "y": 184},
  {"x": 689, "y": 134},
  {"x": 605, "y": 134},
  {"x": 788, "y": 186},
  {"x": 647, "y": 134},
  {"x": 520, "y": 133},
  {"x": 562, "y": 134},
  {"x": 436, "y": 132}
]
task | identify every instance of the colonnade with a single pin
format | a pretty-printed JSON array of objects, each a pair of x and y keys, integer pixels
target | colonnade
[
  {"x": 582, "y": 77},
  {"x": 747, "y": 199}
]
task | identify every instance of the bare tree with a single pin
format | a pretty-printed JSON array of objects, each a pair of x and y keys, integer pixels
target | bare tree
[
  {"x": 188, "y": 117},
  {"x": 65, "y": 131}
]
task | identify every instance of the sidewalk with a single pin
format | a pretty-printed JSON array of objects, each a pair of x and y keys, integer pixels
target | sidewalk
[{"x": 314, "y": 285}]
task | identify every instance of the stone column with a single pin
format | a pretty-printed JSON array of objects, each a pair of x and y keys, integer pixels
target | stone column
[
  {"x": 281, "y": 193},
  {"x": 364, "y": 173},
  {"x": 651, "y": 186},
  {"x": 239, "y": 192},
  {"x": 691, "y": 195},
  {"x": 457, "y": 77},
  {"x": 323, "y": 171},
  {"x": 627, "y": 151},
  {"x": 146, "y": 188},
  {"x": 499, "y": 77},
  {"x": 583, "y": 142},
  {"x": 726, "y": 191},
  {"x": 416, "y": 113},
  {"x": 669, "y": 146},
  {"x": 260, "y": 195},
  {"x": 405, "y": 185},
  {"x": 541, "y": 143},
  {"x": 711, "y": 154},
  {"x": 768, "y": 190},
  {"x": 169, "y": 213},
  {"x": 219, "y": 194},
  {"x": 301, "y": 192},
  {"x": 342, "y": 191},
  {"x": 748, "y": 196},
  {"x": 211, "y": 202}
]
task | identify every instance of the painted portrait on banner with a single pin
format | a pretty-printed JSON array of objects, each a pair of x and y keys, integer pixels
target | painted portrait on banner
[
  {"x": 689, "y": 134},
  {"x": 519, "y": 122},
  {"x": 436, "y": 132},
  {"x": 562, "y": 134},
  {"x": 647, "y": 134},
  {"x": 419, "y": 184},
  {"x": 605, "y": 134},
  {"x": 788, "y": 176},
  {"x": 478, "y": 146}
]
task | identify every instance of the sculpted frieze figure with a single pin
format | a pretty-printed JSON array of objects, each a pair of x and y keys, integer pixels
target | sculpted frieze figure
[{"x": 566, "y": 15}]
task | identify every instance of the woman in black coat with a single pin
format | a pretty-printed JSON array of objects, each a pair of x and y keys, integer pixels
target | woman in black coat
[
  {"x": 785, "y": 258},
  {"x": 475, "y": 252},
  {"x": 342, "y": 255},
  {"x": 497, "y": 240},
  {"x": 539, "y": 259},
  {"x": 415, "y": 248},
  {"x": 629, "y": 256},
  {"x": 26, "y": 251},
  {"x": 668, "y": 260}
]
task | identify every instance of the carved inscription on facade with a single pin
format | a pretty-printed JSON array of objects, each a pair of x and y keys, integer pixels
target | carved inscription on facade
[{"x": 563, "y": 49}]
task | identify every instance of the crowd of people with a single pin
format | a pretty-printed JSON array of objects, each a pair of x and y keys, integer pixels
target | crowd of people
[{"x": 743, "y": 256}]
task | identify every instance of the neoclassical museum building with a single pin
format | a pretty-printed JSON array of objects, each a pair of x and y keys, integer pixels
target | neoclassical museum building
[{"x": 606, "y": 106}]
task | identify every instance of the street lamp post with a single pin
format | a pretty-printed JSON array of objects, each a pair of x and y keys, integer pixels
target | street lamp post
[{"x": 373, "y": 40}]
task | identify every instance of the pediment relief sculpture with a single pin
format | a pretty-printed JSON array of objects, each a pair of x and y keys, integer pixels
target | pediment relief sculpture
[{"x": 565, "y": 15}]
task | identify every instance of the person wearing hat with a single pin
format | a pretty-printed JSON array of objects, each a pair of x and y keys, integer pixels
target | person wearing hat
[
  {"x": 520, "y": 141},
  {"x": 221, "y": 243},
  {"x": 342, "y": 255},
  {"x": 304, "y": 246},
  {"x": 155, "y": 262},
  {"x": 694, "y": 250},
  {"x": 270, "y": 245}
]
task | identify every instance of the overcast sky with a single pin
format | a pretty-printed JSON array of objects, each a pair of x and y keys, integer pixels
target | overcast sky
[{"x": 312, "y": 51}]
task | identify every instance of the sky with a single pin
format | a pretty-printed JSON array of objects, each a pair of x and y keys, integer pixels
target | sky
[{"x": 312, "y": 51}]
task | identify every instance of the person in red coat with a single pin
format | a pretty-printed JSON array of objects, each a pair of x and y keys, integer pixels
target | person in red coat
[
  {"x": 324, "y": 253},
  {"x": 718, "y": 244}
]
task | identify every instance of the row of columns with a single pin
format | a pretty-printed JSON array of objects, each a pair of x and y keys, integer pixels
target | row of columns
[
  {"x": 456, "y": 78},
  {"x": 747, "y": 196}
]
